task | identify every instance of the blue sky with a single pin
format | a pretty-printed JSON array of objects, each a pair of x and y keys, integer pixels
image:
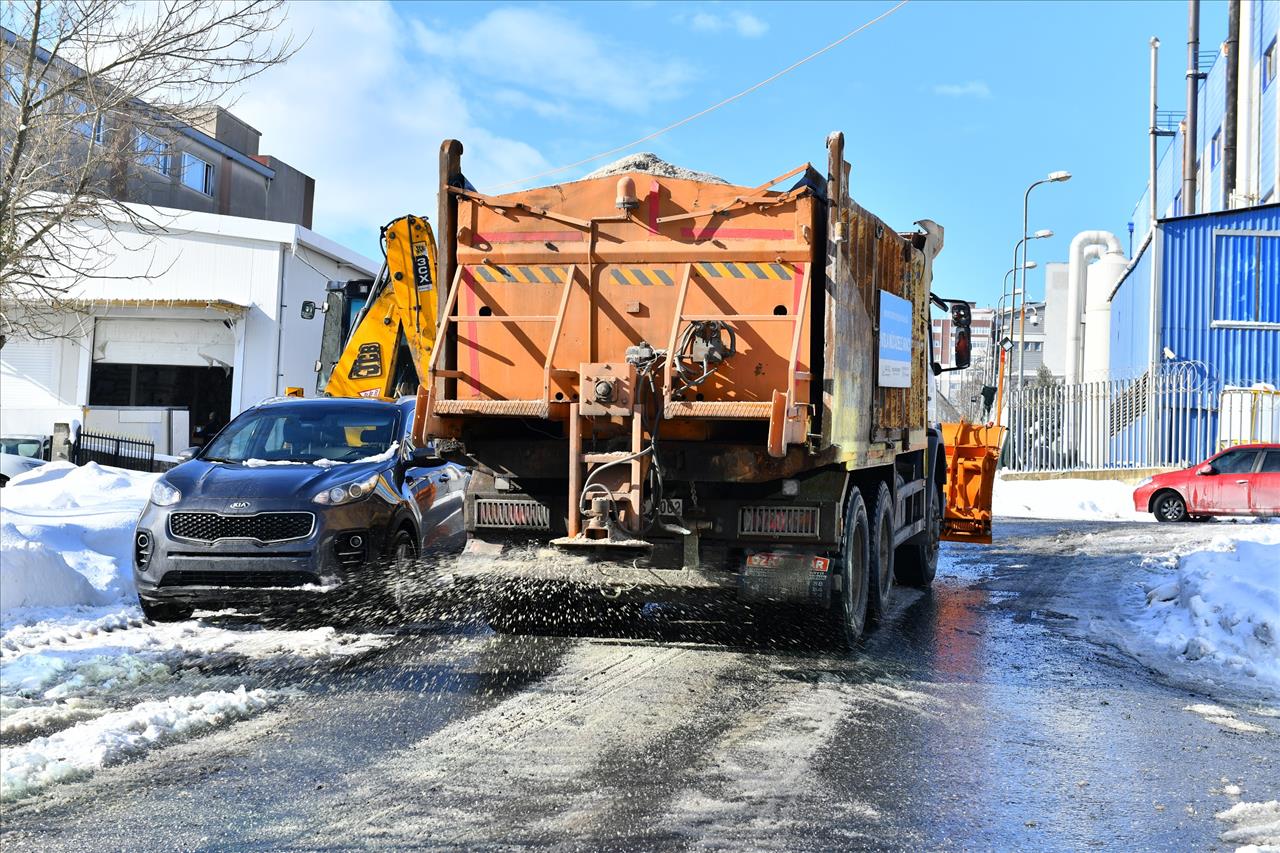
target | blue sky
[{"x": 950, "y": 109}]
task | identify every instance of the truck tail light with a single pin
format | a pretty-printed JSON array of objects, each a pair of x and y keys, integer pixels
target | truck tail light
[
  {"x": 521, "y": 515},
  {"x": 782, "y": 521}
]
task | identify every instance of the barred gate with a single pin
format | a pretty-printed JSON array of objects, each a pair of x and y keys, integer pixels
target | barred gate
[
  {"x": 121, "y": 451},
  {"x": 1173, "y": 420}
]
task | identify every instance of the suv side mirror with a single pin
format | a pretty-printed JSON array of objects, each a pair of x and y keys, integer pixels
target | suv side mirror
[
  {"x": 189, "y": 453},
  {"x": 1206, "y": 470}
]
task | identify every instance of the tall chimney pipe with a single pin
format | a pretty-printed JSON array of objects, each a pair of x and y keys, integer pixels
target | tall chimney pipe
[
  {"x": 1190, "y": 142},
  {"x": 1232, "y": 50},
  {"x": 1155, "y": 131}
]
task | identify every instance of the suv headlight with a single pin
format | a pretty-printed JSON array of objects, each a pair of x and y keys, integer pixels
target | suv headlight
[
  {"x": 163, "y": 494},
  {"x": 348, "y": 492}
]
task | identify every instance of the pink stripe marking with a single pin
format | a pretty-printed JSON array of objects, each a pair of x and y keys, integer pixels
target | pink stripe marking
[
  {"x": 797, "y": 280},
  {"x": 531, "y": 237},
  {"x": 739, "y": 233},
  {"x": 469, "y": 295},
  {"x": 653, "y": 207}
]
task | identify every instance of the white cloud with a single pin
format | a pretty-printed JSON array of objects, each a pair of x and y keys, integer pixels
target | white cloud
[
  {"x": 552, "y": 54},
  {"x": 743, "y": 23},
  {"x": 362, "y": 109},
  {"x": 972, "y": 89}
]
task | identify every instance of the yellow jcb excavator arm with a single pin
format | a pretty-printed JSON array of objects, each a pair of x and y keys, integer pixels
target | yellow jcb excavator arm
[{"x": 399, "y": 317}]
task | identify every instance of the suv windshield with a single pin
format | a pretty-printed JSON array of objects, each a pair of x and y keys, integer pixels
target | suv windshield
[{"x": 305, "y": 434}]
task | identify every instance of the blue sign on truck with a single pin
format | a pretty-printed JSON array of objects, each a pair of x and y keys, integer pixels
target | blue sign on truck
[{"x": 895, "y": 341}]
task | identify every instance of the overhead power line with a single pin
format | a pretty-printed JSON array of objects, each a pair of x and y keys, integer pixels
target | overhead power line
[{"x": 747, "y": 91}]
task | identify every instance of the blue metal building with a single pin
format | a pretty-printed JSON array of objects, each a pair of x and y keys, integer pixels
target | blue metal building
[{"x": 1197, "y": 311}]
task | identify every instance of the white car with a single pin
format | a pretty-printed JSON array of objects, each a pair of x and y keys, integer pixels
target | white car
[{"x": 21, "y": 453}]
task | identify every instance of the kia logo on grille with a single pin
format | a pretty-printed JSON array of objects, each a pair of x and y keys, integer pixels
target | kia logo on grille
[{"x": 238, "y": 505}]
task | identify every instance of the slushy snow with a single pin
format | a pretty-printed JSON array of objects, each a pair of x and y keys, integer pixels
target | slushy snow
[
  {"x": 85, "y": 680},
  {"x": 88, "y": 745}
]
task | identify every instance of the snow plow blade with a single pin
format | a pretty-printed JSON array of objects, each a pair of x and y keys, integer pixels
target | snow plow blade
[{"x": 972, "y": 452}]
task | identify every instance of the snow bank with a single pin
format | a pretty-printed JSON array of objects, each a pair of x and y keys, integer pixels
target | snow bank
[
  {"x": 66, "y": 535},
  {"x": 88, "y": 745},
  {"x": 1255, "y": 826},
  {"x": 1220, "y": 609},
  {"x": 1082, "y": 500}
]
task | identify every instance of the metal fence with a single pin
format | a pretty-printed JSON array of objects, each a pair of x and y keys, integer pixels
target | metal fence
[
  {"x": 121, "y": 451},
  {"x": 1175, "y": 418}
]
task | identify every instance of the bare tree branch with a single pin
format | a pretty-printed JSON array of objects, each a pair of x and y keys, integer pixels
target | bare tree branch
[{"x": 82, "y": 80}]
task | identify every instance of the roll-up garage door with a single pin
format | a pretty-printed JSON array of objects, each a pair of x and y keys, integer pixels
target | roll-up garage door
[{"x": 191, "y": 343}]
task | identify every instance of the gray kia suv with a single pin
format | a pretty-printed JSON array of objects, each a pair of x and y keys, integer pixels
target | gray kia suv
[{"x": 301, "y": 495}]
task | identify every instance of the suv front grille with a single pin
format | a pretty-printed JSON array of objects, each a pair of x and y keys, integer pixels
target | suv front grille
[{"x": 264, "y": 526}]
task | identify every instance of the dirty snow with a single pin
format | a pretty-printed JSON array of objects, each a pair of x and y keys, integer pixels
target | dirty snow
[
  {"x": 652, "y": 164},
  {"x": 88, "y": 745},
  {"x": 1218, "y": 607},
  {"x": 85, "y": 680},
  {"x": 1070, "y": 499},
  {"x": 1254, "y": 826}
]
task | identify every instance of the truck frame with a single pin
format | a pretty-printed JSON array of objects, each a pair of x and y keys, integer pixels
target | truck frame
[{"x": 689, "y": 388}]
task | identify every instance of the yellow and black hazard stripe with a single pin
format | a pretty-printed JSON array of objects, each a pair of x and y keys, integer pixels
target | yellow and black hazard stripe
[
  {"x": 518, "y": 274},
  {"x": 737, "y": 269},
  {"x": 643, "y": 276}
]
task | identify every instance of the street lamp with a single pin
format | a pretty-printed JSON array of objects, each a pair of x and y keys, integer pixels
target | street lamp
[
  {"x": 1039, "y": 235},
  {"x": 998, "y": 324},
  {"x": 1052, "y": 178}
]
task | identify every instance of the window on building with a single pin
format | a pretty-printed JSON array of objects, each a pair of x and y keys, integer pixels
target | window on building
[
  {"x": 153, "y": 153},
  {"x": 1215, "y": 148},
  {"x": 86, "y": 120},
  {"x": 1242, "y": 264},
  {"x": 1269, "y": 65},
  {"x": 197, "y": 174},
  {"x": 12, "y": 84}
]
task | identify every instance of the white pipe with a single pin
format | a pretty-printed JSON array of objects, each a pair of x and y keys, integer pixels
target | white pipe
[{"x": 1087, "y": 246}]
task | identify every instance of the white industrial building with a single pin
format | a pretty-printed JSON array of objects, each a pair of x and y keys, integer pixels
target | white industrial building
[{"x": 182, "y": 325}]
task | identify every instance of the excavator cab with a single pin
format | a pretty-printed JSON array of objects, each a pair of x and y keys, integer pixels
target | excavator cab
[{"x": 383, "y": 330}]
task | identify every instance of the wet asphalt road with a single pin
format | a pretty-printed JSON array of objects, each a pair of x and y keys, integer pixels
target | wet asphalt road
[{"x": 984, "y": 715}]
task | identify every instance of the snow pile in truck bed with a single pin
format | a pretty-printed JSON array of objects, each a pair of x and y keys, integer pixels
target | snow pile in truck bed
[
  {"x": 652, "y": 164},
  {"x": 1069, "y": 499},
  {"x": 1219, "y": 611},
  {"x": 66, "y": 535}
]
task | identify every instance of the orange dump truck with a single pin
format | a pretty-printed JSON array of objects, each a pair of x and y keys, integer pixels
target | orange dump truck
[{"x": 694, "y": 387}]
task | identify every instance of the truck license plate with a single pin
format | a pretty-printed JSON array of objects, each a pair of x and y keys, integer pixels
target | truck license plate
[{"x": 672, "y": 507}]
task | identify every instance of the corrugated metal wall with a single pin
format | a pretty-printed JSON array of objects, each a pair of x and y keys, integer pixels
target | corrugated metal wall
[
  {"x": 1130, "y": 351},
  {"x": 1216, "y": 292}
]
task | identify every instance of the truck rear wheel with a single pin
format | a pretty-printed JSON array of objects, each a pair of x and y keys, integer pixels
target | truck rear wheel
[
  {"x": 851, "y": 608},
  {"x": 881, "y": 518},
  {"x": 917, "y": 561}
]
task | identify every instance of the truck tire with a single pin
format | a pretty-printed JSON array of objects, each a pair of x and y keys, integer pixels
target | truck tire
[
  {"x": 850, "y": 609},
  {"x": 917, "y": 561},
  {"x": 880, "y": 518}
]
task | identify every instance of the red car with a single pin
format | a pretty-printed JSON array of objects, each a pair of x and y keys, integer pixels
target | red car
[{"x": 1241, "y": 480}]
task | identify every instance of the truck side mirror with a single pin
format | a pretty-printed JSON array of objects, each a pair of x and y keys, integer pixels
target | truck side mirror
[
  {"x": 963, "y": 349},
  {"x": 962, "y": 319}
]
